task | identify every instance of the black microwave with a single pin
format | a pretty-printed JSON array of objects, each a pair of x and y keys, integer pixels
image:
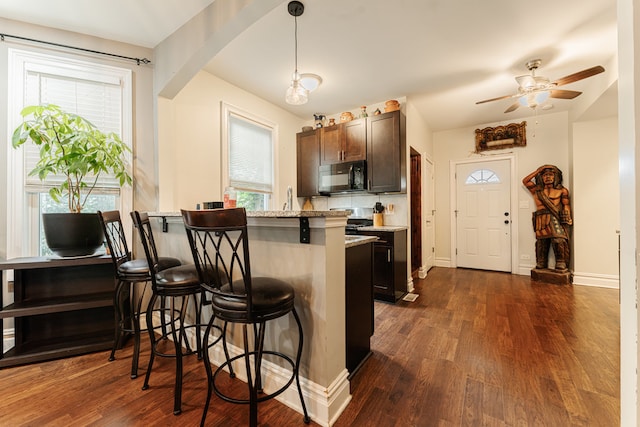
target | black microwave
[{"x": 343, "y": 177}]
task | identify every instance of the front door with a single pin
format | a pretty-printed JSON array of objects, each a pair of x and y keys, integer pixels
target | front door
[{"x": 483, "y": 215}]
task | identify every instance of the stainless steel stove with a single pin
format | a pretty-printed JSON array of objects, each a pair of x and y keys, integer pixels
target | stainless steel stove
[{"x": 359, "y": 217}]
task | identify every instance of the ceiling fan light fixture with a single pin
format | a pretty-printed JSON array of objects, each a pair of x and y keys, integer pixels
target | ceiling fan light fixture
[{"x": 534, "y": 99}]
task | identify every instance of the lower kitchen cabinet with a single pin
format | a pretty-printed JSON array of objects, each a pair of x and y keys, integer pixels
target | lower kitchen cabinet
[
  {"x": 60, "y": 308},
  {"x": 389, "y": 264},
  {"x": 358, "y": 304}
]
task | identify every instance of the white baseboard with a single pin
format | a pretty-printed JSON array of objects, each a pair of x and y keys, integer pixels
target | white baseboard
[
  {"x": 324, "y": 404},
  {"x": 443, "y": 262},
  {"x": 599, "y": 280},
  {"x": 422, "y": 272},
  {"x": 410, "y": 286}
]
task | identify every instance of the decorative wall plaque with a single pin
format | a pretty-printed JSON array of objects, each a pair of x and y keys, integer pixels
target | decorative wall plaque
[{"x": 511, "y": 135}]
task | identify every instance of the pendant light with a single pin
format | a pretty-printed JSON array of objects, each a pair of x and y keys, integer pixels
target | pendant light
[{"x": 301, "y": 84}]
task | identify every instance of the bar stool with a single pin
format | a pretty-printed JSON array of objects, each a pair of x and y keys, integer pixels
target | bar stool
[
  {"x": 181, "y": 283},
  {"x": 128, "y": 272},
  {"x": 219, "y": 242}
]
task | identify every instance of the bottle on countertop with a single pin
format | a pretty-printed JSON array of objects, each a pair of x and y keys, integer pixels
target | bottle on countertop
[{"x": 229, "y": 199}]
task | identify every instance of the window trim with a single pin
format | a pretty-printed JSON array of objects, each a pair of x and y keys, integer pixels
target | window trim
[
  {"x": 228, "y": 109},
  {"x": 20, "y": 235}
]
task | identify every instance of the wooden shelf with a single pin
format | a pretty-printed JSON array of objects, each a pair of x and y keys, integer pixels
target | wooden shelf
[
  {"x": 60, "y": 308},
  {"x": 104, "y": 299}
]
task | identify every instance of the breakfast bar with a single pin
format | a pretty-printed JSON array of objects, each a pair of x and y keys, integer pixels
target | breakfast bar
[{"x": 316, "y": 268}]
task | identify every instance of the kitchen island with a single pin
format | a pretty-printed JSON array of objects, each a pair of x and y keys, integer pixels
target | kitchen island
[{"x": 313, "y": 261}]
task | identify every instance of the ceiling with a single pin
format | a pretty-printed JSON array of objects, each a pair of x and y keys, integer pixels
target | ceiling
[{"x": 440, "y": 55}]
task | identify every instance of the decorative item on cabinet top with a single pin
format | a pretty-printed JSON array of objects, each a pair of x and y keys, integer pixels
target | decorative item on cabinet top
[
  {"x": 391, "y": 105},
  {"x": 319, "y": 120},
  {"x": 347, "y": 116}
]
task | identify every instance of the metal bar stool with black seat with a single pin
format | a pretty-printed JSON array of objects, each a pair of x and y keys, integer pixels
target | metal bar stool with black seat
[
  {"x": 176, "y": 283},
  {"x": 219, "y": 242},
  {"x": 128, "y": 272}
]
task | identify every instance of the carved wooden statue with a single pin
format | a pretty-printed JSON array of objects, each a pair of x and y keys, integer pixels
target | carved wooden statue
[{"x": 552, "y": 218}]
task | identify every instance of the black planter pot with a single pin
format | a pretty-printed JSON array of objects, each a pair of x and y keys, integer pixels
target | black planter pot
[{"x": 73, "y": 234}]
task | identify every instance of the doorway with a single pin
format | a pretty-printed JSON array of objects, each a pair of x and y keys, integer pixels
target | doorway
[{"x": 482, "y": 214}]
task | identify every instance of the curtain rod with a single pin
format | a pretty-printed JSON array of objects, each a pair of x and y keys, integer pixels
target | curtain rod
[{"x": 137, "y": 60}]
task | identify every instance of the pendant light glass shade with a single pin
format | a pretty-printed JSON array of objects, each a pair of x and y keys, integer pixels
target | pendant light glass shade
[{"x": 296, "y": 94}]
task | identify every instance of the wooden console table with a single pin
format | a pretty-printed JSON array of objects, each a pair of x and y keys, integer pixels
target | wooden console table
[{"x": 62, "y": 307}]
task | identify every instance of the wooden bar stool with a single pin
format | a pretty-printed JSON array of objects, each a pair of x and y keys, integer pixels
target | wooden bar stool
[{"x": 219, "y": 242}]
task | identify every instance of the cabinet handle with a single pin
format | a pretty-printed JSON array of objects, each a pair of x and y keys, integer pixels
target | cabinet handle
[{"x": 388, "y": 255}]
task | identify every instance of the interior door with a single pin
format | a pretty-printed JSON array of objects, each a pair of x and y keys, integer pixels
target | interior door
[
  {"x": 483, "y": 215},
  {"x": 429, "y": 251}
]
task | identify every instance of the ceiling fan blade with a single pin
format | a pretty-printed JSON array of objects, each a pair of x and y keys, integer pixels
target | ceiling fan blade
[
  {"x": 513, "y": 107},
  {"x": 564, "y": 94},
  {"x": 579, "y": 75},
  {"x": 496, "y": 99}
]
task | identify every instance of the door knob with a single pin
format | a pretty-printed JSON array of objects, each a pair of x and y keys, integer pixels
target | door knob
[{"x": 506, "y": 221}]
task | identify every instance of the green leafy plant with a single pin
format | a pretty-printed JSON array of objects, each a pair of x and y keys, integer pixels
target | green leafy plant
[{"x": 71, "y": 146}]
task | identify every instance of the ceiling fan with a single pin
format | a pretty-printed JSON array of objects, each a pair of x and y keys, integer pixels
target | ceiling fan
[{"x": 534, "y": 90}]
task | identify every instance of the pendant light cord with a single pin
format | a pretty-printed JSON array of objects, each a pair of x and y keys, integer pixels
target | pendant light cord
[{"x": 295, "y": 37}]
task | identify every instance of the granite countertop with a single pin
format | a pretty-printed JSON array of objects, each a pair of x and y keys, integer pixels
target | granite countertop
[
  {"x": 271, "y": 214},
  {"x": 384, "y": 228},
  {"x": 353, "y": 240}
]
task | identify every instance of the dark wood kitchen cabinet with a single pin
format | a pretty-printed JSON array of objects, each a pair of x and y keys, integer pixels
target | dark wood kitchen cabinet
[
  {"x": 359, "y": 305},
  {"x": 386, "y": 150},
  {"x": 389, "y": 264},
  {"x": 343, "y": 142},
  {"x": 307, "y": 162},
  {"x": 61, "y": 308}
]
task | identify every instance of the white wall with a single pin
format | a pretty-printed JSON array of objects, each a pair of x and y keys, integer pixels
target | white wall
[
  {"x": 596, "y": 202},
  {"x": 189, "y": 142},
  {"x": 547, "y": 143}
]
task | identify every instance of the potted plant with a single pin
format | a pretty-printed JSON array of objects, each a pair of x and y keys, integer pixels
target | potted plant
[{"x": 72, "y": 147}]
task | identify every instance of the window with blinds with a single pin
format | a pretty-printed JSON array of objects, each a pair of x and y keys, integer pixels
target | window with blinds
[
  {"x": 250, "y": 155},
  {"x": 100, "y": 93},
  {"x": 98, "y": 100}
]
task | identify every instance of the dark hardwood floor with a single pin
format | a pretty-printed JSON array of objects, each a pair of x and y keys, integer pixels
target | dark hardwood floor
[{"x": 476, "y": 348}]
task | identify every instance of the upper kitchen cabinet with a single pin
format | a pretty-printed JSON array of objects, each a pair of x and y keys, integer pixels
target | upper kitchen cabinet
[
  {"x": 308, "y": 162},
  {"x": 343, "y": 142},
  {"x": 386, "y": 150}
]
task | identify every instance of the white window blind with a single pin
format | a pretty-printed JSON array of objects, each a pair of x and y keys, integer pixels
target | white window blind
[
  {"x": 250, "y": 155},
  {"x": 99, "y": 101}
]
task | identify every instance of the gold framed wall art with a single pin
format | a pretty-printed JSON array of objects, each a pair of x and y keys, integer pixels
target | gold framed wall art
[{"x": 499, "y": 137}]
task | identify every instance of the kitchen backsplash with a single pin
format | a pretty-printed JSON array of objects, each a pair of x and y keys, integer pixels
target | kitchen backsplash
[{"x": 397, "y": 201}]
